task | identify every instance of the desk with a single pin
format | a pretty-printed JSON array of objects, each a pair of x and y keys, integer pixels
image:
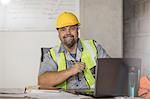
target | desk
[{"x": 41, "y": 94}]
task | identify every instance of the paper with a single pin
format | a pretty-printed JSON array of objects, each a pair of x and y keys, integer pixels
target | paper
[
  {"x": 12, "y": 96},
  {"x": 12, "y": 90},
  {"x": 42, "y": 91}
]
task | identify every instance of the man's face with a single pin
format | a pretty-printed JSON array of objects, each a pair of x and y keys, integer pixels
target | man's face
[{"x": 68, "y": 35}]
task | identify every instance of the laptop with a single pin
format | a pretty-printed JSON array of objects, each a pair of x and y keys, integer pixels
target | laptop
[{"x": 112, "y": 79}]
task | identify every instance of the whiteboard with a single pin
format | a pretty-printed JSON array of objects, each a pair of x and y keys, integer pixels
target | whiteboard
[{"x": 34, "y": 15}]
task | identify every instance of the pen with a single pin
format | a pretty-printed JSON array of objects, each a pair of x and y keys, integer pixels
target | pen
[
  {"x": 78, "y": 74},
  {"x": 74, "y": 62}
]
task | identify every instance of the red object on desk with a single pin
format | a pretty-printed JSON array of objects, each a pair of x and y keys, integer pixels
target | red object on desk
[{"x": 144, "y": 89}]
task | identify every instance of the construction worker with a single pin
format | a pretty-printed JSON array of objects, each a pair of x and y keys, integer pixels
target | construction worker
[
  {"x": 72, "y": 64},
  {"x": 144, "y": 89}
]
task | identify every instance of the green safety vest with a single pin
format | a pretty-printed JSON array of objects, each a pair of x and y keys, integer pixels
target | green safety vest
[{"x": 89, "y": 57}]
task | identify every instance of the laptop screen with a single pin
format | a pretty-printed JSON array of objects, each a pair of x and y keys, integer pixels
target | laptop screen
[{"x": 112, "y": 78}]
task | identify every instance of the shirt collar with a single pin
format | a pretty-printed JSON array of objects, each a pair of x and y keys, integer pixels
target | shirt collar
[{"x": 62, "y": 48}]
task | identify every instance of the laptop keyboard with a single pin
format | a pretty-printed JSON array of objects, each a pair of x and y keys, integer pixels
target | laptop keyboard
[{"x": 88, "y": 92}]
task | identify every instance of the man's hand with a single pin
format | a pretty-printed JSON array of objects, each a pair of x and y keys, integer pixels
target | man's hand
[
  {"x": 54, "y": 78},
  {"x": 77, "y": 68}
]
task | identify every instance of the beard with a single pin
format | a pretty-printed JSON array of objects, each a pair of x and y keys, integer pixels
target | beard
[{"x": 69, "y": 41}]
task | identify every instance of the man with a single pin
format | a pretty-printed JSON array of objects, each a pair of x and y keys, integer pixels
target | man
[{"x": 72, "y": 64}]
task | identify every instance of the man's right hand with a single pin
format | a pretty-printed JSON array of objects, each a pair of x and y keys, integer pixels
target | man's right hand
[
  {"x": 77, "y": 68},
  {"x": 56, "y": 77}
]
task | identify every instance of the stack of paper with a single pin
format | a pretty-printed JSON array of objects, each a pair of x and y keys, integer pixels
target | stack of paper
[{"x": 12, "y": 90}]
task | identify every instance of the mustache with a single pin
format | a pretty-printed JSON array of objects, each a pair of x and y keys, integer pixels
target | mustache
[{"x": 68, "y": 36}]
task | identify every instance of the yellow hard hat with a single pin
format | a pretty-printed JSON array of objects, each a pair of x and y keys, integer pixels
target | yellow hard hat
[{"x": 66, "y": 19}]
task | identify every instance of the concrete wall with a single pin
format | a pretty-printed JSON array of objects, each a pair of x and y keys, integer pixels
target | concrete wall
[
  {"x": 137, "y": 31},
  {"x": 102, "y": 20}
]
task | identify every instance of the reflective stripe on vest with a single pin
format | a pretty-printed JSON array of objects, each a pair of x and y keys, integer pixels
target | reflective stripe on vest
[
  {"x": 89, "y": 56},
  {"x": 59, "y": 58}
]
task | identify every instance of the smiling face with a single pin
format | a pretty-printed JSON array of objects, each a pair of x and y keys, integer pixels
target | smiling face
[{"x": 68, "y": 35}]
